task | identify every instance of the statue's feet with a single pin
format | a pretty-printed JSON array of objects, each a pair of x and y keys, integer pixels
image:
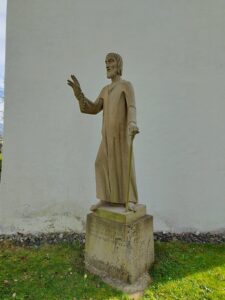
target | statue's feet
[
  {"x": 97, "y": 205},
  {"x": 132, "y": 207}
]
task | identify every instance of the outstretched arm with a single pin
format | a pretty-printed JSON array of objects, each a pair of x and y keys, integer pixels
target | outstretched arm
[{"x": 86, "y": 106}]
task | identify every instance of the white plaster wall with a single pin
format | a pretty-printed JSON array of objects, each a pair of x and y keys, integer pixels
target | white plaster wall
[{"x": 173, "y": 54}]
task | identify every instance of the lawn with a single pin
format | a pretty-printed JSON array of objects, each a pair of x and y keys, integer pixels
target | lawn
[{"x": 181, "y": 271}]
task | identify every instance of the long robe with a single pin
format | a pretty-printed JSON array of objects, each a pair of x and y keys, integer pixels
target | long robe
[{"x": 111, "y": 166}]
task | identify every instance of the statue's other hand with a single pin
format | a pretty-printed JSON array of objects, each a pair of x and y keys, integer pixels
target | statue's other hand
[
  {"x": 74, "y": 83},
  {"x": 133, "y": 129}
]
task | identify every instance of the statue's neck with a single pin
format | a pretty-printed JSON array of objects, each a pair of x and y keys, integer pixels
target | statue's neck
[{"x": 116, "y": 78}]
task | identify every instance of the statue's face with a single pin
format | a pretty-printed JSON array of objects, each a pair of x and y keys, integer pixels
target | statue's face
[{"x": 111, "y": 67}]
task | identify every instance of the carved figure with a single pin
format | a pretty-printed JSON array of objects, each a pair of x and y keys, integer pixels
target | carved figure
[{"x": 118, "y": 130}]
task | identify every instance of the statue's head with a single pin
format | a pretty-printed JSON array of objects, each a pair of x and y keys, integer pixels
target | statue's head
[{"x": 114, "y": 65}]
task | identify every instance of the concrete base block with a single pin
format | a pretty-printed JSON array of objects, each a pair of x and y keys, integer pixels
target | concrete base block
[{"x": 120, "y": 250}]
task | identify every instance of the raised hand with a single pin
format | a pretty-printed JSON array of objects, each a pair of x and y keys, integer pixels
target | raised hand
[{"x": 74, "y": 83}]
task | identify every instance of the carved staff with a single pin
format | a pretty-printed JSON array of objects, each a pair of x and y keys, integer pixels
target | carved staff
[{"x": 129, "y": 170}]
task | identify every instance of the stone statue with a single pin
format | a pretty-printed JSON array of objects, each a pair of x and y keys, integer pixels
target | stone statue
[{"x": 115, "y": 176}]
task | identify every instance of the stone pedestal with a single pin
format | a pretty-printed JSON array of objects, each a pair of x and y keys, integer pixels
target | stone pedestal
[{"x": 120, "y": 247}]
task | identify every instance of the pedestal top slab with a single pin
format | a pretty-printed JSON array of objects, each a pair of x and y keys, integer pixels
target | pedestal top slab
[{"x": 119, "y": 214}]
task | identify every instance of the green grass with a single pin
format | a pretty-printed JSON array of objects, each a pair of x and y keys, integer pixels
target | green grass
[
  {"x": 188, "y": 271},
  {"x": 181, "y": 271}
]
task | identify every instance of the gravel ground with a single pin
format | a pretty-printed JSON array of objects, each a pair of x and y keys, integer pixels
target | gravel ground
[
  {"x": 190, "y": 237},
  {"x": 54, "y": 238},
  {"x": 41, "y": 238}
]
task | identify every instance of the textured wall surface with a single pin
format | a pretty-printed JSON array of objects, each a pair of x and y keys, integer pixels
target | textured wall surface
[{"x": 173, "y": 54}]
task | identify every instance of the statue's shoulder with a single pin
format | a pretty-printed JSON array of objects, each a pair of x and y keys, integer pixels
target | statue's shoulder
[
  {"x": 105, "y": 87},
  {"x": 104, "y": 91},
  {"x": 127, "y": 85}
]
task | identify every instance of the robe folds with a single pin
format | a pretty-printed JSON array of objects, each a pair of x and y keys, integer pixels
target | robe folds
[{"x": 111, "y": 166}]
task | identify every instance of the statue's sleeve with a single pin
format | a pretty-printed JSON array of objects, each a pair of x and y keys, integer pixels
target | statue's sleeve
[
  {"x": 130, "y": 100},
  {"x": 89, "y": 107}
]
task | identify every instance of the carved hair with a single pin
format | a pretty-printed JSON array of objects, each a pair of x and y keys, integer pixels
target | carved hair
[{"x": 119, "y": 61}]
